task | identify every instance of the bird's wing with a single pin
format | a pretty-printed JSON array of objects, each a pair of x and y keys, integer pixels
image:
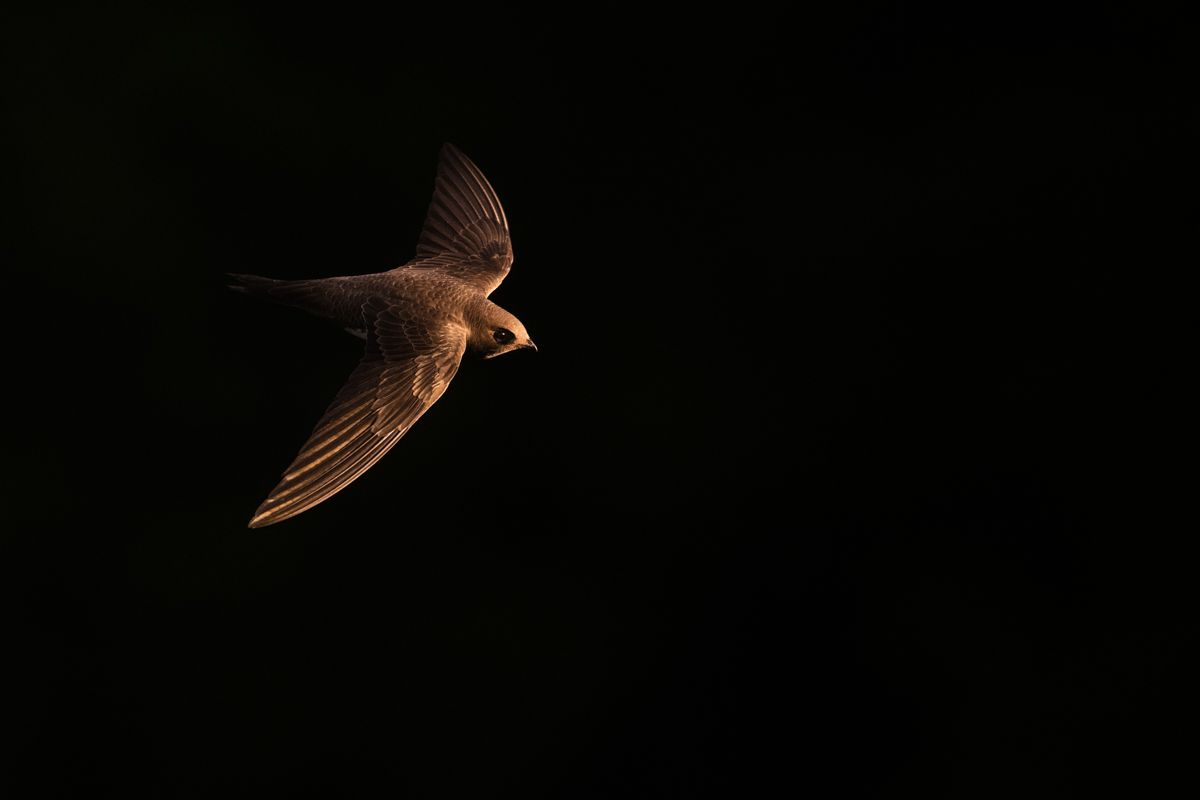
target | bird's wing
[
  {"x": 466, "y": 232},
  {"x": 406, "y": 368}
]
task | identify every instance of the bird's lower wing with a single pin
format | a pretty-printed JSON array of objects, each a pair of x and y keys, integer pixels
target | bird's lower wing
[{"x": 406, "y": 367}]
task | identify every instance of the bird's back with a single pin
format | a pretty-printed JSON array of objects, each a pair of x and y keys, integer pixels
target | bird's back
[{"x": 427, "y": 293}]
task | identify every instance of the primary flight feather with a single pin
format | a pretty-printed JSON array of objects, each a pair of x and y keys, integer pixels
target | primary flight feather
[{"x": 418, "y": 321}]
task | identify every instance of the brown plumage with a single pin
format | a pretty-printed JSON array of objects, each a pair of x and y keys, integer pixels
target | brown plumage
[{"x": 418, "y": 321}]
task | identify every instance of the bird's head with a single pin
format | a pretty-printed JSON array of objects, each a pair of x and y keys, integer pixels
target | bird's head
[{"x": 499, "y": 332}]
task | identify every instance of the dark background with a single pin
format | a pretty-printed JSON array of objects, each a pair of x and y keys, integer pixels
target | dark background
[{"x": 856, "y": 461}]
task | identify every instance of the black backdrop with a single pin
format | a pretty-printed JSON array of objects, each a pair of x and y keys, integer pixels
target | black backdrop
[{"x": 845, "y": 467}]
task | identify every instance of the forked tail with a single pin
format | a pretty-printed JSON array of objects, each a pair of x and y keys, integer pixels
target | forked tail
[{"x": 309, "y": 295}]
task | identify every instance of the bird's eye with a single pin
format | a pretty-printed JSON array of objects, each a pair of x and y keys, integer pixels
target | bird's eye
[{"x": 503, "y": 336}]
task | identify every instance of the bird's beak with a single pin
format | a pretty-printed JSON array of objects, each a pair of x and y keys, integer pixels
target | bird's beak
[{"x": 529, "y": 346}]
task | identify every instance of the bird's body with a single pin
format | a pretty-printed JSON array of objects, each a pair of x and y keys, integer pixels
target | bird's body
[
  {"x": 429, "y": 293},
  {"x": 418, "y": 321}
]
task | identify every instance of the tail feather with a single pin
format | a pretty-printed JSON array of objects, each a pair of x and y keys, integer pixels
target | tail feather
[
  {"x": 308, "y": 295},
  {"x": 253, "y": 284}
]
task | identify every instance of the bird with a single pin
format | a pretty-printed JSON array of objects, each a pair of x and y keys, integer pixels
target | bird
[{"x": 418, "y": 321}]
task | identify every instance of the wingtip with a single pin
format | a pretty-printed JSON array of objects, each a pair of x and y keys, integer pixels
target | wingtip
[
  {"x": 452, "y": 151},
  {"x": 261, "y": 520}
]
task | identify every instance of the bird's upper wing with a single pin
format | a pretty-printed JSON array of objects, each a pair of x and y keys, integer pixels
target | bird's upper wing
[
  {"x": 406, "y": 368},
  {"x": 466, "y": 232}
]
